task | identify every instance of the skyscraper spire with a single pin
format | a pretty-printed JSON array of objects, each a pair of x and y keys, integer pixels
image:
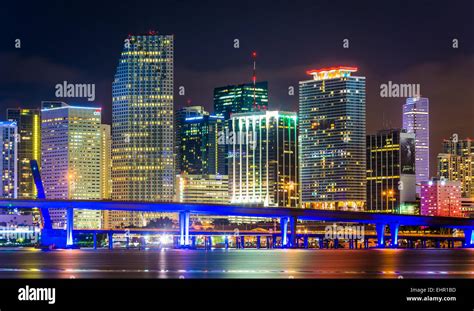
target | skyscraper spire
[{"x": 254, "y": 79}]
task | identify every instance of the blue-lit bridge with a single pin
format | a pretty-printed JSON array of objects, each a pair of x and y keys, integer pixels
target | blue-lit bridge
[{"x": 288, "y": 218}]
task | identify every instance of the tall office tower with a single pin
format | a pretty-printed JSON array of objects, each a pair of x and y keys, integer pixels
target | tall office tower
[
  {"x": 9, "y": 163},
  {"x": 391, "y": 172},
  {"x": 29, "y": 147},
  {"x": 106, "y": 162},
  {"x": 441, "y": 198},
  {"x": 206, "y": 189},
  {"x": 71, "y": 141},
  {"x": 240, "y": 98},
  {"x": 332, "y": 139},
  {"x": 199, "y": 151},
  {"x": 180, "y": 116},
  {"x": 142, "y": 120},
  {"x": 416, "y": 119},
  {"x": 456, "y": 163},
  {"x": 263, "y": 162}
]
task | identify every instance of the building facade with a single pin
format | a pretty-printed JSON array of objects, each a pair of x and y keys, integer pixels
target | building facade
[
  {"x": 205, "y": 189},
  {"x": 441, "y": 198},
  {"x": 142, "y": 120},
  {"x": 456, "y": 162},
  {"x": 9, "y": 159},
  {"x": 391, "y": 172},
  {"x": 416, "y": 119},
  {"x": 332, "y": 139},
  {"x": 263, "y": 159},
  {"x": 71, "y": 144},
  {"x": 29, "y": 147},
  {"x": 240, "y": 98},
  {"x": 199, "y": 152}
]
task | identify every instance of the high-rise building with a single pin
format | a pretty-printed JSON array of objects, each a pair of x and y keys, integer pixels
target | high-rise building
[
  {"x": 416, "y": 119},
  {"x": 391, "y": 172},
  {"x": 332, "y": 139},
  {"x": 142, "y": 120},
  {"x": 199, "y": 152},
  {"x": 456, "y": 163},
  {"x": 9, "y": 159},
  {"x": 441, "y": 198},
  {"x": 71, "y": 141},
  {"x": 106, "y": 162},
  {"x": 205, "y": 189},
  {"x": 29, "y": 147},
  {"x": 263, "y": 161},
  {"x": 240, "y": 98}
]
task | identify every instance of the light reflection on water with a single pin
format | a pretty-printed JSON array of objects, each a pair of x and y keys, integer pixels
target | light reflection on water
[{"x": 248, "y": 263}]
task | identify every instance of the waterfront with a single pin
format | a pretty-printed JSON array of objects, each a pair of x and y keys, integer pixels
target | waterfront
[{"x": 219, "y": 263}]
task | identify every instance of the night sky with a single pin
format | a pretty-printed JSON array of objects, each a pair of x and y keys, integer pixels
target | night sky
[{"x": 398, "y": 41}]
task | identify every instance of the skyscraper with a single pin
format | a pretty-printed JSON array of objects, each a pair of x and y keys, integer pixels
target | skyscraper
[
  {"x": 198, "y": 149},
  {"x": 29, "y": 147},
  {"x": 71, "y": 141},
  {"x": 263, "y": 162},
  {"x": 332, "y": 139},
  {"x": 9, "y": 163},
  {"x": 391, "y": 172},
  {"x": 456, "y": 163},
  {"x": 441, "y": 198},
  {"x": 240, "y": 98},
  {"x": 106, "y": 162},
  {"x": 416, "y": 120},
  {"x": 142, "y": 120}
]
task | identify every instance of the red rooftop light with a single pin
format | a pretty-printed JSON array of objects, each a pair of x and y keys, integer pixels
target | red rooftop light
[{"x": 335, "y": 68}]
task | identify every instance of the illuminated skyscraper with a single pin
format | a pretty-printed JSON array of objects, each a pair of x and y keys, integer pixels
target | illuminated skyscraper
[
  {"x": 441, "y": 198},
  {"x": 29, "y": 147},
  {"x": 106, "y": 162},
  {"x": 240, "y": 98},
  {"x": 198, "y": 150},
  {"x": 332, "y": 139},
  {"x": 263, "y": 161},
  {"x": 9, "y": 163},
  {"x": 391, "y": 172},
  {"x": 142, "y": 120},
  {"x": 416, "y": 119},
  {"x": 205, "y": 189},
  {"x": 71, "y": 141},
  {"x": 456, "y": 163}
]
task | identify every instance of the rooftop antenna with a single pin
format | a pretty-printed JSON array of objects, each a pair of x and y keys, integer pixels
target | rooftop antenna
[{"x": 254, "y": 78}]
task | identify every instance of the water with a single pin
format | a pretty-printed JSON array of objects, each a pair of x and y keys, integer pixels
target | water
[{"x": 247, "y": 263}]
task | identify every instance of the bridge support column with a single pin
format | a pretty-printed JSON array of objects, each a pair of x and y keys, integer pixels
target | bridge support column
[
  {"x": 336, "y": 243},
  {"x": 94, "y": 235},
  {"x": 226, "y": 242},
  {"x": 258, "y": 242},
  {"x": 468, "y": 238},
  {"x": 293, "y": 241},
  {"x": 69, "y": 227},
  {"x": 321, "y": 242},
  {"x": 438, "y": 244},
  {"x": 394, "y": 234},
  {"x": 184, "y": 229},
  {"x": 242, "y": 242},
  {"x": 268, "y": 242},
  {"x": 284, "y": 231},
  {"x": 380, "y": 229},
  {"x": 193, "y": 241},
  {"x": 209, "y": 238},
  {"x": 306, "y": 241},
  {"x": 110, "y": 236}
]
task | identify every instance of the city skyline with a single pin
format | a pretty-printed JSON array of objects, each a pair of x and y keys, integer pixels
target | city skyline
[{"x": 215, "y": 62}]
